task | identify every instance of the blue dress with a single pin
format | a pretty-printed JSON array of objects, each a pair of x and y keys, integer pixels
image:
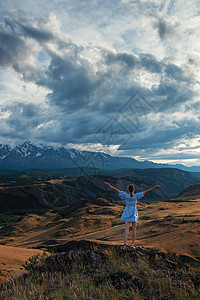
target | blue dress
[{"x": 130, "y": 213}]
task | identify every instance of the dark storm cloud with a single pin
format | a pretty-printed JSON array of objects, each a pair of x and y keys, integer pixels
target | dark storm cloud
[
  {"x": 143, "y": 60},
  {"x": 20, "y": 26},
  {"x": 83, "y": 97},
  {"x": 128, "y": 60},
  {"x": 22, "y": 117},
  {"x": 23, "y": 121},
  {"x": 75, "y": 127},
  {"x": 70, "y": 77},
  {"x": 172, "y": 95},
  {"x": 161, "y": 136},
  {"x": 164, "y": 30},
  {"x": 173, "y": 90},
  {"x": 150, "y": 63},
  {"x": 175, "y": 72},
  {"x": 71, "y": 82},
  {"x": 147, "y": 61},
  {"x": 12, "y": 48},
  {"x": 36, "y": 34}
]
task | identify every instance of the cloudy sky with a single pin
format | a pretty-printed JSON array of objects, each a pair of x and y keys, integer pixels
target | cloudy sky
[{"x": 103, "y": 75}]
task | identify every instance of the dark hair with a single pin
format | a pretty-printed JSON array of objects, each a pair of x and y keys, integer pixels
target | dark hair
[{"x": 131, "y": 189}]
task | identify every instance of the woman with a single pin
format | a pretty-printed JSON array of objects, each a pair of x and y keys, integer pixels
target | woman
[{"x": 130, "y": 213}]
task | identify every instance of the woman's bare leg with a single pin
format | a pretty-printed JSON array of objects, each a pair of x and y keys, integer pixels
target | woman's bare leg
[
  {"x": 127, "y": 225},
  {"x": 133, "y": 232}
]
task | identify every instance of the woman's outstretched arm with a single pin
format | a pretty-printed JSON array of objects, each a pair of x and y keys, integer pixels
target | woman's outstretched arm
[
  {"x": 112, "y": 187},
  {"x": 151, "y": 189}
]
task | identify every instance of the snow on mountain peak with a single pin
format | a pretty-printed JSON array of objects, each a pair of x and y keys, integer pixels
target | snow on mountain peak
[
  {"x": 45, "y": 147},
  {"x": 27, "y": 149},
  {"x": 4, "y": 150}
]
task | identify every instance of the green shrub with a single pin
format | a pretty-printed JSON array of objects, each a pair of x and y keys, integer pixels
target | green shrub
[
  {"x": 97, "y": 222},
  {"x": 145, "y": 218},
  {"x": 34, "y": 261},
  {"x": 86, "y": 223},
  {"x": 6, "y": 219}
]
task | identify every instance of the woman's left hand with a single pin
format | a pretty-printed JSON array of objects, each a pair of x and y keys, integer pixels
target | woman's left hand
[
  {"x": 157, "y": 186},
  {"x": 108, "y": 184}
]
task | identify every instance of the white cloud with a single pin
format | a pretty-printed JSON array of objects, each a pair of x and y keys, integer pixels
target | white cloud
[
  {"x": 79, "y": 61},
  {"x": 95, "y": 147}
]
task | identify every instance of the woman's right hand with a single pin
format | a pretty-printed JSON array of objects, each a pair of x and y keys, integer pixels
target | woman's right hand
[{"x": 108, "y": 184}]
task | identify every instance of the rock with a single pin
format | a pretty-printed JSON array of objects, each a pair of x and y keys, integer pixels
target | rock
[
  {"x": 140, "y": 253},
  {"x": 183, "y": 266},
  {"x": 95, "y": 258},
  {"x": 178, "y": 283},
  {"x": 170, "y": 263},
  {"x": 156, "y": 258},
  {"x": 125, "y": 281},
  {"x": 137, "y": 283},
  {"x": 161, "y": 254},
  {"x": 78, "y": 245},
  {"x": 61, "y": 254},
  {"x": 96, "y": 262},
  {"x": 70, "y": 255},
  {"x": 172, "y": 273},
  {"x": 132, "y": 283},
  {"x": 196, "y": 280},
  {"x": 81, "y": 256},
  {"x": 187, "y": 259},
  {"x": 145, "y": 250}
]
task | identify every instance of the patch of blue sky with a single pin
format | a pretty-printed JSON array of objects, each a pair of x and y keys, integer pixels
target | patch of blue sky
[
  {"x": 2, "y": 73},
  {"x": 130, "y": 34},
  {"x": 170, "y": 7},
  {"x": 43, "y": 58},
  {"x": 1, "y": 19}
]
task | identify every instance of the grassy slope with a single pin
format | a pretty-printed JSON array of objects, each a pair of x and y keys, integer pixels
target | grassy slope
[
  {"x": 12, "y": 258},
  {"x": 163, "y": 225},
  {"x": 97, "y": 271},
  {"x": 167, "y": 226},
  {"x": 192, "y": 192}
]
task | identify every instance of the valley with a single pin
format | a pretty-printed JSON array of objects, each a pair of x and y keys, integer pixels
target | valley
[
  {"x": 41, "y": 212},
  {"x": 172, "y": 227}
]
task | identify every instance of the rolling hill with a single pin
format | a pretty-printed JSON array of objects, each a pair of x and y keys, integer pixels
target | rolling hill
[
  {"x": 61, "y": 192},
  {"x": 47, "y": 188},
  {"x": 173, "y": 226},
  {"x": 168, "y": 226},
  {"x": 191, "y": 192}
]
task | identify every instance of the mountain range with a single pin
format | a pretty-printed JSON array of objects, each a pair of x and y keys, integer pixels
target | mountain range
[{"x": 30, "y": 156}]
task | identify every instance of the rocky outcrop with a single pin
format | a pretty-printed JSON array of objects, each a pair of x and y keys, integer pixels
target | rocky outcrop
[
  {"x": 97, "y": 265},
  {"x": 133, "y": 273}
]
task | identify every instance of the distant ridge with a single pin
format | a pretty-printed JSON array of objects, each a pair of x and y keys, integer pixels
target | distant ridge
[
  {"x": 32, "y": 189},
  {"x": 31, "y": 156},
  {"x": 191, "y": 192}
]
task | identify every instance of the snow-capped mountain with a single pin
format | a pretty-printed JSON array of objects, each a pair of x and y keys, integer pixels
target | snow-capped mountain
[
  {"x": 4, "y": 151},
  {"x": 30, "y": 156},
  {"x": 27, "y": 149},
  {"x": 27, "y": 155}
]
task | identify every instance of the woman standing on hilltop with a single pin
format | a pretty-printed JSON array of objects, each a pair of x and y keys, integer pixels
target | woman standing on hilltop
[{"x": 130, "y": 213}]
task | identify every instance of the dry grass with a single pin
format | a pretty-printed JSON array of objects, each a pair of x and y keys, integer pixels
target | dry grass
[
  {"x": 76, "y": 285},
  {"x": 163, "y": 225},
  {"x": 12, "y": 258}
]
